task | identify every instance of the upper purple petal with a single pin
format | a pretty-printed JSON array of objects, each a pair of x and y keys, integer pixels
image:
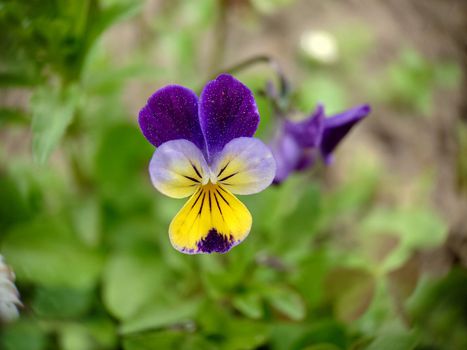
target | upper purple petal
[
  {"x": 227, "y": 110},
  {"x": 308, "y": 132},
  {"x": 337, "y": 126},
  {"x": 171, "y": 113}
]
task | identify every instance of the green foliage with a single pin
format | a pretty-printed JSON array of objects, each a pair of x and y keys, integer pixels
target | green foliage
[
  {"x": 411, "y": 81},
  {"x": 64, "y": 260},
  {"x": 330, "y": 264},
  {"x": 52, "y": 112},
  {"x": 440, "y": 308}
]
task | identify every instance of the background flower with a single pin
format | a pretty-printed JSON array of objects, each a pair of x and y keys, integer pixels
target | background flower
[{"x": 299, "y": 144}]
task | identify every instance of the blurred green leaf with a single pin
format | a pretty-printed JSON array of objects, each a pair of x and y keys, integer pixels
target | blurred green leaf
[
  {"x": 154, "y": 340},
  {"x": 52, "y": 111},
  {"x": 286, "y": 301},
  {"x": 123, "y": 155},
  {"x": 161, "y": 315},
  {"x": 23, "y": 335},
  {"x": 244, "y": 334},
  {"x": 314, "y": 267},
  {"x": 46, "y": 252},
  {"x": 439, "y": 310},
  {"x": 61, "y": 302},
  {"x": 75, "y": 337},
  {"x": 250, "y": 304},
  {"x": 14, "y": 207},
  {"x": 351, "y": 291},
  {"x": 416, "y": 229},
  {"x": 86, "y": 217},
  {"x": 132, "y": 280},
  {"x": 396, "y": 341},
  {"x": 323, "y": 331},
  {"x": 322, "y": 347},
  {"x": 95, "y": 334}
]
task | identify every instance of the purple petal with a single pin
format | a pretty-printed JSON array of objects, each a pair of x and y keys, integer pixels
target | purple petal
[
  {"x": 227, "y": 110},
  {"x": 337, "y": 126},
  {"x": 171, "y": 113},
  {"x": 287, "y": 154},
  {"x": 308, "y": 132}
]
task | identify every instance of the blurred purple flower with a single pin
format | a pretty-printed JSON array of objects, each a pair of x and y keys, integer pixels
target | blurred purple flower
[{"x": 298, "y": 144}]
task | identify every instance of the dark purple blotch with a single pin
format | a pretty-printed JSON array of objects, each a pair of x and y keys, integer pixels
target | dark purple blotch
[{"x": 215, "y": 242}]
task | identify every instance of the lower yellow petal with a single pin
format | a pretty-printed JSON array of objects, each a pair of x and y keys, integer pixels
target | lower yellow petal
[{"x": 213, "y": 220}]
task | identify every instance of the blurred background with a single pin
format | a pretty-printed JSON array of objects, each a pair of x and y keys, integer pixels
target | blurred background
[{"x": 369, "y": 253}]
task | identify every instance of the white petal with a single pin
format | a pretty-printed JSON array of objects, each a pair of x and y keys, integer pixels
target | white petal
[
  {"x": 245, "y": 166},
  {"x": 178, "y": 168}
]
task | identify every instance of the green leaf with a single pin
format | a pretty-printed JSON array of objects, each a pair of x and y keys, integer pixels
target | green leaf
[
  {"x": 415, "y": 228},
  {"x": 52, "y": 111},
  {"x": 155, "y": 340},
  {"x": 249, "y": 304},
  {"x": 14, "y": 208},
  {"x": 286, "y": 301},
  {"x": 351, "y": 291},
  {"x": 46, "y": 252},
  {"x": 95, "y": 333},
  {"x": 61, "y": 302},
  {"x": 122, "y": 155},
  {"x": 87, "y": 220},
  {"x": 244, "y": 334},
  {"x": 23, "y": 335},
  {"x": 323, "y": 331},
  {"x": 131, "y": 281},
  {"x": 113, "y": 14},
  {"x": 161, "y": 315},
  {"x": 438, "y": 308},
  {"x": 394, "y": 341},
  {"x": 324, "y": 346}
]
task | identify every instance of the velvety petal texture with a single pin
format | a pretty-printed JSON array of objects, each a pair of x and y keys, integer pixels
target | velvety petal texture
[
  {"x": 178, "y": 168},
  {"x": 171, "y": 113},
  {"x": 227, "y": 110},
  {"x": 245, "y": 166}
]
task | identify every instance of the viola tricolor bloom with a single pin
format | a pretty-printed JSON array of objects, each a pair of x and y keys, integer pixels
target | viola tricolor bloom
[
  {"x": 300, "y": 143},
  {"x": 206, "y": 150}
]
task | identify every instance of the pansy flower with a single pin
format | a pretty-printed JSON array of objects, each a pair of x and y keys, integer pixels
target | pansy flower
[
  {"x": 299, "y": 144},
  {"x": 206, "y": 150}
]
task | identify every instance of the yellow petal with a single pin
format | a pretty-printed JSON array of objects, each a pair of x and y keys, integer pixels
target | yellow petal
[{"x": 213, "y": 220}]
